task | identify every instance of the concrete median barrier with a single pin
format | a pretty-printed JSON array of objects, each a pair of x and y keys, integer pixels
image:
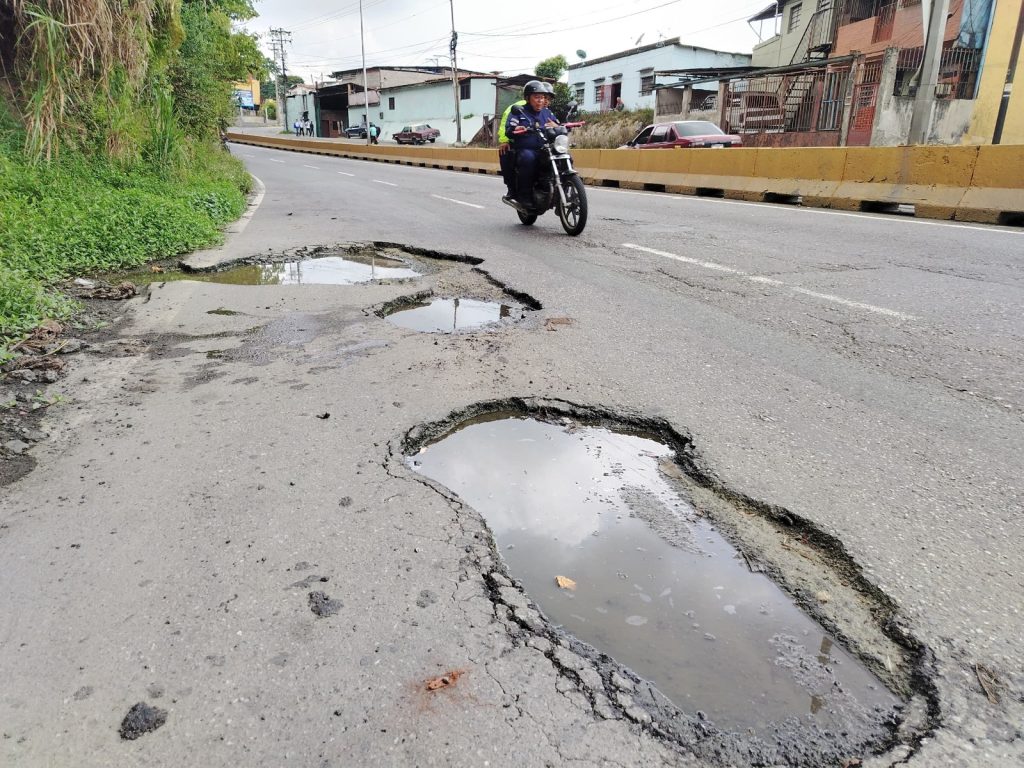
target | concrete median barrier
[
  {"x": 982, "y": 184},
  {"x": 996, "y": 193}
]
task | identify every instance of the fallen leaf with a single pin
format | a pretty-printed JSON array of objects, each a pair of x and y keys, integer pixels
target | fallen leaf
[
  {"x": 155, "y": 268},
  {"x": 564, "y": 582},
  {"x": 990, "y": 684},
  {"x": 323, "y": 415},
  {"x": 446, "y": 680},
  {"x": 552, "y": 322}
]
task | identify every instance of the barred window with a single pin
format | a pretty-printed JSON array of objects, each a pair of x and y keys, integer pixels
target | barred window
[
  {"x": 794, "y": 18},
  {"x": 646, "y": 82}
]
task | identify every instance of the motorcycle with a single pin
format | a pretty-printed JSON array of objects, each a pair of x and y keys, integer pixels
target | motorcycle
[{"x": 557, "y": 185}]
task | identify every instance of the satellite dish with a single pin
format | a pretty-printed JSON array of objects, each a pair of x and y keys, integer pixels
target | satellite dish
[{"x": 581, "y": 53}]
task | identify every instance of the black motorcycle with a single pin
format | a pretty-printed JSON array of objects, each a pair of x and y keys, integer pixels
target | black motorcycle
[{"x": 557, "y": 185}]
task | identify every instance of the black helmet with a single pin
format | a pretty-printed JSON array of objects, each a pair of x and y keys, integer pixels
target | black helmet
[{"x": 536, "y": 86}]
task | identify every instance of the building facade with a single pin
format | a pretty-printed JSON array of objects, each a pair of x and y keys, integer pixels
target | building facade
[
  {"x": 630, "y": 75},
  {"x": 998, "y": 116}
]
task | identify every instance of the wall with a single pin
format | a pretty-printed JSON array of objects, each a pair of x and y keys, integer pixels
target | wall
[
  {"x": 778, "y": 51},
  {"x": 950, "y": 121},
  {"x": 434, "y": 103},
  {"x": 993, "y": 76},
  {"x": 670, "y": 56},
  {"x": 907, "y": 32}
]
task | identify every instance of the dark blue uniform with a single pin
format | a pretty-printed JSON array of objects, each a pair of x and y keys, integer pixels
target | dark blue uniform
[{"x": 526, "y": 146}]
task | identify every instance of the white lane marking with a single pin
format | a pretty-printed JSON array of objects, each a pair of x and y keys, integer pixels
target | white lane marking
[
  {"x": 771, "y": 281},
  {"x": 314, "y": 167},
  {"x": 378, "y": 181},
  {"x": 346, "y": 174},
  {"x": 275, "y": 161},
  {"x": 250, "y": 210},
  {"x": 460, "y": 202}
]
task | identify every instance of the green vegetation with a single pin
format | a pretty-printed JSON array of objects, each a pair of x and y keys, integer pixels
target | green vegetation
[{"x": 110, "y": 113}]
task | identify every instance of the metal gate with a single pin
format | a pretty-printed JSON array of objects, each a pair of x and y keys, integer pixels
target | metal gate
[{"x": 865, "y": 100}]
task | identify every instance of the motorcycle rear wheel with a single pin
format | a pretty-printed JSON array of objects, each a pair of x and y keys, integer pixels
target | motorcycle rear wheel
[{"x": 573, "y": 214}]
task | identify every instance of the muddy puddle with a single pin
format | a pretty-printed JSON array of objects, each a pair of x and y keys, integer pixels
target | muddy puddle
[
  {"x": 449, "y": 315},
  {"x": 648, "y": 581},
  {"x": 326, "y": 270}
]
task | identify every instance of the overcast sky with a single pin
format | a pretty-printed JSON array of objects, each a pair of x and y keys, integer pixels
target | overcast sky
[{"x": 509, "y": 37}]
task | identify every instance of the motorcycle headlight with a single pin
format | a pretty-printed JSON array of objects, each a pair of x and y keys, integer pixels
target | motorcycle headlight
[{"x": 561, "y": 144}]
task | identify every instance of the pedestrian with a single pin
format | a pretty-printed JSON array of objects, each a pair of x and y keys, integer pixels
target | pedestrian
[
  {"x": 309, "y": 127},
  {"x": 619, "y": 104},
  {"x": 297, "y": 125},
  {"x": 374, "y": 133}
]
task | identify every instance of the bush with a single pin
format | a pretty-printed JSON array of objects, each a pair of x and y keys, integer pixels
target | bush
[{"x": 81, "y": 216}]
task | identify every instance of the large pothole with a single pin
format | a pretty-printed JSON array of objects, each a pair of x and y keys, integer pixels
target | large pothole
[{"x": 602, "y": 530}]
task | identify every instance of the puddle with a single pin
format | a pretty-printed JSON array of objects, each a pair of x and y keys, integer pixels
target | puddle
[
  {"x": 449, "y": 315},
  {"x": 656, "y": 587},
  {"x": 326, "y": 270}
]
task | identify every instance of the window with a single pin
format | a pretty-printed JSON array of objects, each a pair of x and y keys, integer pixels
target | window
[
  {"x": 646, "y": 82},
  {"x": 578, "y": 94},
  {"x": 599, "y": 91},
  {"x": 824, "y": 5},
  {"x": 660, "y": 134},
  {"x": 464, "y": 89},
  {"x": 794, "y": 18},
  {"x": 391, "y": 102},
  {"x": 644, "y": 136}
]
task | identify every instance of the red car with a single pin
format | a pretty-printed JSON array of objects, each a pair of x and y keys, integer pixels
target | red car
[{"x": 683, "y": 133}]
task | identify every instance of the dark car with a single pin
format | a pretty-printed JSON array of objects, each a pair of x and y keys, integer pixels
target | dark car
[
  {"x": 355, "y": 132},
  {"x": 683, "y": 133}
]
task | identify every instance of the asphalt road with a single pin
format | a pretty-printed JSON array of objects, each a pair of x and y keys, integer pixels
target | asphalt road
[{"x": 862, "y": 372}]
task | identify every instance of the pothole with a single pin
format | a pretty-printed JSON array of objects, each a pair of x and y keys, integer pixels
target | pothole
[
  {"x": 322, "y": 270},
  {"x": 595, "y": 524},
  {"x": 450, "y": 315}
]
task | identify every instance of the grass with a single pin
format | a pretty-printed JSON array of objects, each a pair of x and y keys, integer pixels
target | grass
[
  {"x": 607, "y": 130},
  {"x": 75, "y": 216}
]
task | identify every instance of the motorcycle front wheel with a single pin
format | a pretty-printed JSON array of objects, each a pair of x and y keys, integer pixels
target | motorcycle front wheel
[{"x": 574, "y": 213}]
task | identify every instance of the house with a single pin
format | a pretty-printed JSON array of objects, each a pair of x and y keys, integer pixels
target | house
[
  {"x": 801, "y": 31},
  {"x": 346, "y": 98},
  {"x": 299, "y": 100},
  {"x": 597, "y": 84},
  {"x": 433, "y": 102},
  {"x": 850, "y": 75}
]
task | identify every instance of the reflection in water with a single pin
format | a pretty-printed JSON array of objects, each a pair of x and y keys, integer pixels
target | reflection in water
[
  {"x": 448, "y": 315},
  {"x": 328, "y": 270},
  {"x": 657, "y": 587}
]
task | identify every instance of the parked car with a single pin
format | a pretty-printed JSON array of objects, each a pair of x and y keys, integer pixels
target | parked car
[
  {"x": 356, "y": 132},
  {"x": 683, "y": 133},
  {"x": 416, "y": 134}
]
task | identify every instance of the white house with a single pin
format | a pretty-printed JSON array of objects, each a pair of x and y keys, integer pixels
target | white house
[
  {"x": 630, "y": 75},
  {"x": 433, "y": 102}
]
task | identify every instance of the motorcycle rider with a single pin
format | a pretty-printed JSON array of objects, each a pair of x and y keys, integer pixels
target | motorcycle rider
[
  {"x": 525, "y": 141},
  {"x": 506, "y": 157}
]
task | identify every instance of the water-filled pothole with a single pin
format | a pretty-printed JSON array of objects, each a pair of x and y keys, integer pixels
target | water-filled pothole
[
  {"x": 327, "y": 270},
  {"x": 449, "y": 315},
  {"x": 655, "y": 586}
]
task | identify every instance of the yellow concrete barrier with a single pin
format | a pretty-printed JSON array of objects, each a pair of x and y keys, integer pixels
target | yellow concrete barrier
[
  {"x": 811, "y": 173},
  {"x": 931, "y": 178},
  {"x": 968, "y": 183},
  {"x": 996, "y": 194}
]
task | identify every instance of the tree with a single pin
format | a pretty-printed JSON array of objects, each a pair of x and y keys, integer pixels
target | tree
[
  {"x": 268, "y": 88},
  {"x": 553, "y": 68}
]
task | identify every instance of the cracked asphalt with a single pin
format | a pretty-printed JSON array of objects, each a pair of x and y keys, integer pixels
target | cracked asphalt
[{"x": 197, "y": 537}]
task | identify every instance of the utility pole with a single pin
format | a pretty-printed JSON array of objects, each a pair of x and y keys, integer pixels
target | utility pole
[
  {"x": 924, "y": 100},
  {"x": 455, "y": 78},
  {"x": 997, "y": 135},
  {"x": 279, "y": 38},
  {"x": 366, "y": 91}
]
